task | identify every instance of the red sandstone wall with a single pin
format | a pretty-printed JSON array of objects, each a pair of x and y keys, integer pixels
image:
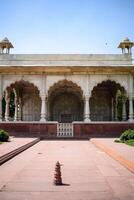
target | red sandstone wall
[
  {"x": 81, "y": 130},
  {"x": 30, "y": 129},
  {"x": 101, "y": 129}
]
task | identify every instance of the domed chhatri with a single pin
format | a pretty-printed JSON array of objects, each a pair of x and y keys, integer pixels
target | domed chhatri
[
  {"x": 126, "y": 39},
  {"x": 126, "y": 46},
  {"x": 5, "y": 46}
]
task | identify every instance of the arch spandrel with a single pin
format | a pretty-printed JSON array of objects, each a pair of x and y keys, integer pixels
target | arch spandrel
[
  {"x": 19, "y": 83},
  {"x": 75, "y": 79},
  {"x": 13, "y": 79}
]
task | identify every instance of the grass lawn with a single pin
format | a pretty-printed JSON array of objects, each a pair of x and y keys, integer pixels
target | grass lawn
[
  {"x": 130, "y": 142},
  {"x": 0, "y": 142}
]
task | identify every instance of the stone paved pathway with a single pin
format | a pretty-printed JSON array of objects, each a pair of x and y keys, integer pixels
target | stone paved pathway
[
  {"x": 124, "y": 150},
  {"x": 89, "y": 173}
]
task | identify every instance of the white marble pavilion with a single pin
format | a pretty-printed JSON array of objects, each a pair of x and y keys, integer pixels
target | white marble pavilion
[{"x": 66, "y": 87}]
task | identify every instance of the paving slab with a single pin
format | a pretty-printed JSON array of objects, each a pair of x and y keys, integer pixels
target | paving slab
[{"x": 87, "y": 172}]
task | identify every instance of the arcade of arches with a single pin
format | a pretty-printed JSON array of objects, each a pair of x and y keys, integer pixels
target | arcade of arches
[{"x": 65, "y": 102}]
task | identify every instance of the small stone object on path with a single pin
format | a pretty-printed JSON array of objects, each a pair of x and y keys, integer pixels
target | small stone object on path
[{"x": 57, "y": 175}]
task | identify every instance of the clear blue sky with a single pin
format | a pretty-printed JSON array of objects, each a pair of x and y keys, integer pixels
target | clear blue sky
[{"x": 66, "y": 26}]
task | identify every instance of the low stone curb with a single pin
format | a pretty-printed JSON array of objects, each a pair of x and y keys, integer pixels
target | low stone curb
[
  {"x": 126, "y": 163},
  {"x": 15, "y": 152}
]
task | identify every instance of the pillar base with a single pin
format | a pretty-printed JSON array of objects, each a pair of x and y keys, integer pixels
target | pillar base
[
  {"x": 1, "y": 118},
  {"x": 87, "y": 120},
  {"x": 43, "y": 120},
  {"x": 15, "y": 119},
  {"x": 131, "y": 120},
  {"x": 124, "y": 118}
]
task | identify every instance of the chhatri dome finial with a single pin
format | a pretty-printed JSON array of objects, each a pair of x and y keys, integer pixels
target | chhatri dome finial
[
  {"x": 5, "y": 46},
  {"x": 126, "y": 46}
]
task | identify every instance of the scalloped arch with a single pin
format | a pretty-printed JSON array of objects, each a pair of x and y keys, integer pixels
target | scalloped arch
[
  {"x": 110, "y": 81},
  {"x": 12, "y": 85},
  {"x": 67, "y": 83}
]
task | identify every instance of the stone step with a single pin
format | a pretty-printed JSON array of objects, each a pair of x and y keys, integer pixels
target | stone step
[{"x": 15, "y": 152}]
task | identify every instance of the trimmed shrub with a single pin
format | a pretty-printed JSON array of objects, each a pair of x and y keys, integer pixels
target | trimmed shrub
[
  {"x": 130, "y": 143},
  {"x": 127, "y": 135},
  {"x": 4, "y": 136}
]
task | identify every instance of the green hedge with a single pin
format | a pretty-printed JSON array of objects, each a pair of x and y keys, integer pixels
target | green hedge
[
  {"x": 4, "y": 136},
  {"x": 127, "y": 135}
]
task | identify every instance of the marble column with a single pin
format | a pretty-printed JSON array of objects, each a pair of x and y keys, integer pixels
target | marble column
[
  {"x": 130, "y": 97},
  {"x": 124, "y": 110},
  {"x": 131, "y": 113},
  {"x": 48, "y": 111},
  {"x": 0, "y": 107},
  {"x": 7, "y": 99},
  {"x": 16, "y": 106},
  {"x": 86, "y": 109},
  {"x": 1, "y": 84},
  {"x": 116, "y": 110},
  {"x": 19, "y": 107},
  {"x": 112, "y": 109},
  {"x": 43, "y": 108}
]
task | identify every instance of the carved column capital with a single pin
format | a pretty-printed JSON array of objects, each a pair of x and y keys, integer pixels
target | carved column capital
[
  {"x": 131, "y": 96},
  {"x": 87, "y": 97},
  {"x": 43, "y": 97}
]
